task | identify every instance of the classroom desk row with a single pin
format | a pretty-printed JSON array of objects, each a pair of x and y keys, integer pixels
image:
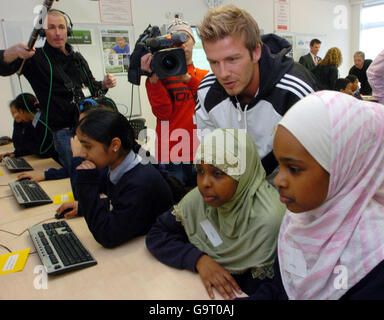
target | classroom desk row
[{"x": 126, "y": 272}]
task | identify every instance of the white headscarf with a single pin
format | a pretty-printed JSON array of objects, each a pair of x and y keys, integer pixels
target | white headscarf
[{"x": 340, "y": 242}]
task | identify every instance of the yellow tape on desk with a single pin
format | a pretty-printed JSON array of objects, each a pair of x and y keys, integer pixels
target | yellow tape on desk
[
  {"x": 62, "y": 198},
  {"x": 14, "y": 261}
]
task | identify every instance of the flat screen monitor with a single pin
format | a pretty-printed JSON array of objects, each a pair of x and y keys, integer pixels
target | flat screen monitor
[{"x": 198, "y": 54}]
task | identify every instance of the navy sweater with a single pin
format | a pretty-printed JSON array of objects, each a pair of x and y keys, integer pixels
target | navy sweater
[
  {"x": 21, "y": 130},
  {"x": 131, "y": 206},
  {"x": 169, "y": 243},
  {"x": 371, "y": 287},
  {"x": 27, "y": 140}
]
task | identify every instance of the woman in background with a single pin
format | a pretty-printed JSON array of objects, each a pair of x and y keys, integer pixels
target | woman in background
[{"x": 327, "y": 70}]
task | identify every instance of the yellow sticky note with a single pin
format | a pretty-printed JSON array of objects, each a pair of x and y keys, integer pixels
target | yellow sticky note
[
  {"x": 14, "y": 261},
  {"x": 62, "y": 198},
  {"x": 1, "y": 173}
]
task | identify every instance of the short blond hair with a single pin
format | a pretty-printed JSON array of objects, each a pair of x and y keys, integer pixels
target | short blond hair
[{"x": 230, "y": 20}]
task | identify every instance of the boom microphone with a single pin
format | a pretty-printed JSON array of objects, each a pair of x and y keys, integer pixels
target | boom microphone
[{"x": 35, "y": 33}]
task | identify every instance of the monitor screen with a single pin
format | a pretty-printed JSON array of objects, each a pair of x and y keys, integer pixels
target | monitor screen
[{"x": 198, "y": 54}]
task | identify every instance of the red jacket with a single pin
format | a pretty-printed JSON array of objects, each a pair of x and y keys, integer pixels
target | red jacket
[{"x": 173, "y": 104}]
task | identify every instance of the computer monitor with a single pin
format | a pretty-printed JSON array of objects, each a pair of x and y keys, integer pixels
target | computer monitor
[{"x": 198, "y": 54}]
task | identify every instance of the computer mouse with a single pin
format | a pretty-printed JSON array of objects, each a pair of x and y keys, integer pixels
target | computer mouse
[{"x": 61, "y": 215}]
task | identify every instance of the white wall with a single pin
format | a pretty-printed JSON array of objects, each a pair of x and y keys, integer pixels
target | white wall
[{"x": 307, "y": 16}]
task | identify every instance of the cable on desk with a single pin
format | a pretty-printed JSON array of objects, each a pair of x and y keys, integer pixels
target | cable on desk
[
  {"x": 19, "y": 234},
  {"x": 6, "y": 248},
  {"x": 11, "y": 195},
  {"x": 10, "y": 251}
]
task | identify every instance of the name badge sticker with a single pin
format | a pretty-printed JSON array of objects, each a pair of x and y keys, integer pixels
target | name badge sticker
[
  {"x": 211, "y": 233},
  {"x": 296, "y": 263}
]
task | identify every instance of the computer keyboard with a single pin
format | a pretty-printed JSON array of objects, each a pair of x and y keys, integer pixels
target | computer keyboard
[
  {"x": 59, "y": 248},
  {"x": 17, "y": 164},
  {"x": 29, "y": 193}
]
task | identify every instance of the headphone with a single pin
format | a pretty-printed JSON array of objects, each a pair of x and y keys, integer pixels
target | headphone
[
  {"x": 67, "y": 20},
  {"x": 103, "y": 100},
  {"x": 87, "y": 101}
]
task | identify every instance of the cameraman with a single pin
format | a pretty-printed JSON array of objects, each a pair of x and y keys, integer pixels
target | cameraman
[
  {"x": 173, "y": 103},
  {"x": 57, "y": 75}
]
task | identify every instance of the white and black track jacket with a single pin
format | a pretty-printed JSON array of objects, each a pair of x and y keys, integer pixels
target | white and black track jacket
[{"x": 282, "y": 83}]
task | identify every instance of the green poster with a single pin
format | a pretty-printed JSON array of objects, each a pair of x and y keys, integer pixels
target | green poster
[{"x": 80, "y": 37}]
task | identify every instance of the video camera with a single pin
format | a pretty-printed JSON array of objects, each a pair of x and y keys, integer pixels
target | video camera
[{"x": 166, "y": 61}]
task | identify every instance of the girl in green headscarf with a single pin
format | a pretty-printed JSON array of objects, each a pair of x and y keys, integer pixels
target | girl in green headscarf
[{"x": 226, "y": 229}]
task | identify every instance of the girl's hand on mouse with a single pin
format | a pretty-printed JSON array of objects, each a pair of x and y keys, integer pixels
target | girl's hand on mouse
[
  {"x": 68, "y": 205},
  {"x": 86, "y": 165},
  {"x": 214, "y": 275},
  {"x": 7, "y": 154},
  {"x": 33, "y": 176}
]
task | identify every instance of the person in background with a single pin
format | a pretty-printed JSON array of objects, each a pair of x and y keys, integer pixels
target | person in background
[
  {"x": 57, "y": 75},
  {"x": 355, "y": 85},
  {"x": 331, "y": 241},
  {"x": 30, "y": 134},
  {"x": 375, "y": 74},
  {"x": 343, "y": 85},
  {"x": 253, "y": 82},
  {"x": 173, "y": 103},
  {"x": 327, "y": 70},
  {"x": 360, "y": 71},
  {"x": 20, "y": 129},
  {"x": 311, "y": 60},
  {"x": 226, "y": 228}
]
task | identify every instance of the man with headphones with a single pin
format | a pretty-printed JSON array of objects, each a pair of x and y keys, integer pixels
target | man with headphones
[{"x": 58, "y": 76}]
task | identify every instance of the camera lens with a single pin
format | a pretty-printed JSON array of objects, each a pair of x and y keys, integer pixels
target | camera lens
[{"x": 169, "y": 62}]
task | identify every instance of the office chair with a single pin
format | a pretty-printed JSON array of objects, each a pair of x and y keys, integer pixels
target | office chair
[{"x": 138, "y": 125}]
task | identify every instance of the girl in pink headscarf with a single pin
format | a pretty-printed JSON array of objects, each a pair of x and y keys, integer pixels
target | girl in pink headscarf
[{"x": 330, "y": 148}]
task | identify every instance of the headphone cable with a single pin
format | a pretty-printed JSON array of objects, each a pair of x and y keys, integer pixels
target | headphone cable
[
  {"x": 130, "y": 115},
  {"x": 44, "y": 124}
]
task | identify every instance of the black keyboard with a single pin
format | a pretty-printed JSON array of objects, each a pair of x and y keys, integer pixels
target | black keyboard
[
  {"x": 59, "y": 248},
  {"x": 17, "y": 164},
  {"x": 29, "y": 193}
]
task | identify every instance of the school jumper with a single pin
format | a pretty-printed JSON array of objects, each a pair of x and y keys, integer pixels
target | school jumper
[
  {"x": 371, "y": 287},
  {"x": 28, "y": 139},
  {"x": 23, "y": 146},
  {"x": 135, "y": 198}
]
